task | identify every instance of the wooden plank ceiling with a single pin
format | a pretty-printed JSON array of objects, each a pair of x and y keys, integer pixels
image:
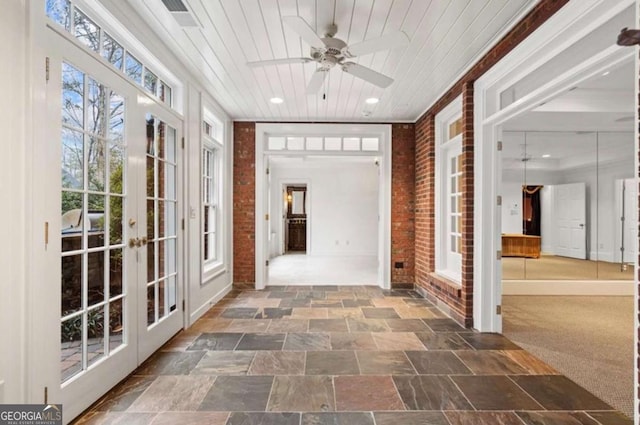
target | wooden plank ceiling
[{"x": 446, "y": 37}]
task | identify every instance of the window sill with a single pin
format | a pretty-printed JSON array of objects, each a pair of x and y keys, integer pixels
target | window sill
[
  {"x": 450, "y": 277},
  {"x": 212, "y": 271}
]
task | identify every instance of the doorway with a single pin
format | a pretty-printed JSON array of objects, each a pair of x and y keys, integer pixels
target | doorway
[
  {"x": 326, "y": 160},
  {"x": 296, "y": 219},
  {"x": 566, "y": 128}
]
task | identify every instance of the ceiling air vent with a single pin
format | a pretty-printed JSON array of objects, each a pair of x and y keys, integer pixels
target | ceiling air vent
[
  {"x": 175, "y": 5},
  {"x": 181, "y": 14}
]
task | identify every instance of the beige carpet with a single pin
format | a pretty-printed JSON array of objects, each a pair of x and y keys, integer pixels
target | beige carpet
[
  {"x": 589, "y": 339},
  {"x": 550, "y": 267}
]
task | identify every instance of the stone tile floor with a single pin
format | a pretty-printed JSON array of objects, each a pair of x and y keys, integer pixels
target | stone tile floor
[{"x": 332, "y": 355}]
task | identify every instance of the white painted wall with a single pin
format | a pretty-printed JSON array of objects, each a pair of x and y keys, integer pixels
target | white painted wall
[
  {"x": 342, "y": 206},
  {"x": 14, "y": 233}
]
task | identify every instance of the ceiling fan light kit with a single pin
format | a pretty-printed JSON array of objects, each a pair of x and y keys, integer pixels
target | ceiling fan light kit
[{"x": 330, "y": 52}]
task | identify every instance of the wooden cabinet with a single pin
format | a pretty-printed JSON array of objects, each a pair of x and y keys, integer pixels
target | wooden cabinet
[
  {"x": 297, "y": 235},
  {"x": 515, "y": 245}
]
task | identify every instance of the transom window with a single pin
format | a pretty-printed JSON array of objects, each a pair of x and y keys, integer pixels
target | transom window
[
  {"x": 332, "y": 144},
  {"x": 93, "y": 37}
]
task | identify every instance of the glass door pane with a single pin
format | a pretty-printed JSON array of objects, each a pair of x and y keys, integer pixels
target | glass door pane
[
  {"x": 93, "y": 199},
  {"x": 161, "y": 214}
]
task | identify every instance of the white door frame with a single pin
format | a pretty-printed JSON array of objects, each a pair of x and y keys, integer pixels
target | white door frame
[
  {"x": 382, "y": 131},
  {"x": 570, "y": 24}
]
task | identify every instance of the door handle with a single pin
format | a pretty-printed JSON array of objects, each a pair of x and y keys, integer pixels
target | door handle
[
  {"x": 144, "y": 240},
  {"x": 133, "y": 242}
]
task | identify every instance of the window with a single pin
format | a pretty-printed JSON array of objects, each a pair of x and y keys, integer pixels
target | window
[
  {"x": 449, "y": 178},
  {"x": 95, "y": 38},
  {"x": 212, "y": 184}
]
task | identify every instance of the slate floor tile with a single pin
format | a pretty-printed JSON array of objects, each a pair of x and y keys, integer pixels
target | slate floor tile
[
  {"x": 191, "y": 418},
  {"x": 488, "y": 362},
  {"x": 397, "y": 341},
  {"x": 380, "y": 313},
  {"x": 365, "y": 393},
  {"x": 331, "y": 363},
  {"x": 178, "y": 393},
  {"x": 384, "y": 363},
  {"x": 557, "y": 392},
  {"x": 289, "y": 325},
  {"x": 556, "y": 418},
  {"x": 328, "y": 325},
  {"x": 341, "y": 418},
  {"x": 356, "y": 303},
  {"x": 443, "y": 341},
  {"x": 248, "y": 325},
  {"x": 278, "y": 363},
  {"x": 170, "y": 363},
  {"x": 216, "y": 341},
  {"x": 239, "y": 313},
  {"x": 367, "y": 325},
  {"x": 307, "y": 342},
  {"x": 411, "y": 418},
  {"x": 483, "y": 418},
  {"x": 121, "y": 397},
  {"x": 445, "y": 325},
  {"x": 494, "y": 393},
  {"x": 302, "y": 394},
  {"x": 352, "y": 341},
  {"x": 224, "y": 363},
  {"x": 487, "y": 341},
  {"x": 238, "y": 393},
  {"x": 437, "y": 363},
  {"x": 407, "y": 325},
  {"x": 261, "y": 341},
  {"x": 255, "y": 418},
  {"x": 611, "y": 418},
  {"x": 274, "y": 313},
  {"x": 428, "y": 392}
]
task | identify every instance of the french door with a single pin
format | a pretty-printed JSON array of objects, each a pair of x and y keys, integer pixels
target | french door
[{"x": 120, "y": 283}]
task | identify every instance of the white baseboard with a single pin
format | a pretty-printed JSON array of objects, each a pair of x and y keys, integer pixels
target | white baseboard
[
  {"x": 208, "y": 304},
  {"x": 568, "y": 287}
]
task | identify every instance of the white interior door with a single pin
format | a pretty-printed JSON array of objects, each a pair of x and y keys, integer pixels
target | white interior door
[{"x": 570, "y": 220}]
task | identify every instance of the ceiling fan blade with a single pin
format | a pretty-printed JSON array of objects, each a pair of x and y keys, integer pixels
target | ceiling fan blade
[
  {"x": 386, "y": 42},
  {"x": 278, "y": 62},
  {"x": 367, "y": 74},
  {"x": 303, "y": 29},
  {"x": 316, "y": 80}
]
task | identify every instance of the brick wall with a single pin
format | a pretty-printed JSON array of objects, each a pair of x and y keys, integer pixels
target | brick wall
[
  {"x": 458, "y": 298},
  {"x": 402, "y": 203},
  {"x": 244, "y": 185},
  {"x": 403, "y": 181}
]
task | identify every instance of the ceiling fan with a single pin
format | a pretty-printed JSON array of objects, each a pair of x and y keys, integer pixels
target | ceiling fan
[{"x": 329, "y": 51}]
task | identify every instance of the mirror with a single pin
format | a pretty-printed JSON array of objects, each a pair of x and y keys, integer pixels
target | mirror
[{"x": 296, "y": 201}]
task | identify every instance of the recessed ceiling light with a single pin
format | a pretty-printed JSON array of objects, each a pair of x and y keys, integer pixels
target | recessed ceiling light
[
  {"x": 372, "y": 100},
  {"x": 546, "y": 155},
  {"x": 606, "y": 73},
  {"x": 276, "y": 100}
]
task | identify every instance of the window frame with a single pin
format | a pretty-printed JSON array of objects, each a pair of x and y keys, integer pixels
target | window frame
[
  {"x": 212, "y": 145},
  {"x": 448, "y": 259}
]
